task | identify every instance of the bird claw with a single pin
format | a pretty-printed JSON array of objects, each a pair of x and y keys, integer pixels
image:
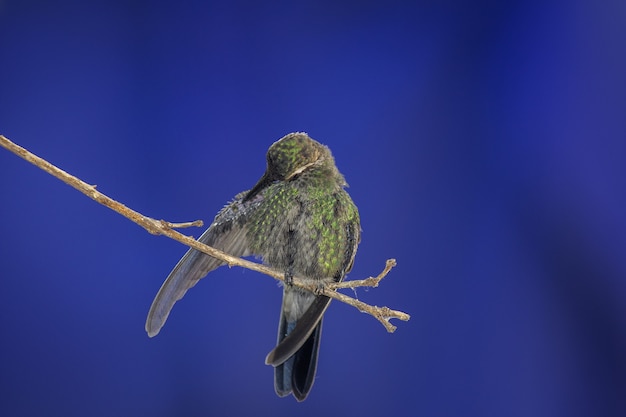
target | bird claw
[
  {"x": 289, "y": 278},
  {"x": 319, "y": 289}
]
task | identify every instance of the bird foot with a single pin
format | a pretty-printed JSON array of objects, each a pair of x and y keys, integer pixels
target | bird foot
[{"x": 289, "y": 278}]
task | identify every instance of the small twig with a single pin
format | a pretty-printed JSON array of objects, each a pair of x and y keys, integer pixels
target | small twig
[
  {"x": 367, "y": 282},
  {"x": 162, "y": 227},
  {"x": 195, "y": 223},
  {"x": 382, "y": 314}
]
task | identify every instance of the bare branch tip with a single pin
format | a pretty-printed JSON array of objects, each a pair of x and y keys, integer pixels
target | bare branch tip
[{"x": 390, "y": 327}]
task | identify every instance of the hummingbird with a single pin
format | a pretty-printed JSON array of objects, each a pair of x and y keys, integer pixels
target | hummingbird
[{"x": 298, "y": 219}]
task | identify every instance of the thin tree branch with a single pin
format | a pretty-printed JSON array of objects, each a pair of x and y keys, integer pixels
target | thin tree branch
[{"x": 162, "y": 227}]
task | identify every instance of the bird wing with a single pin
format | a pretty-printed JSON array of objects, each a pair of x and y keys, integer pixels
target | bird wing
[
  {"x": 227, "y": 233},
  {"x": 303, "y": 329}
]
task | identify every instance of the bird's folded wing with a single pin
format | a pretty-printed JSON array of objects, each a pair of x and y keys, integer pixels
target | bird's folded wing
[{"x": 296, "y": 338}]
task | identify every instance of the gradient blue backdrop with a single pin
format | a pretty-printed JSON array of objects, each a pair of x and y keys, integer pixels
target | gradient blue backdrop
[{"x": 484, "y": 143}]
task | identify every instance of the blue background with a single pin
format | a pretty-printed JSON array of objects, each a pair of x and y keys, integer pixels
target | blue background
[{"x": 484, "y": 144}]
